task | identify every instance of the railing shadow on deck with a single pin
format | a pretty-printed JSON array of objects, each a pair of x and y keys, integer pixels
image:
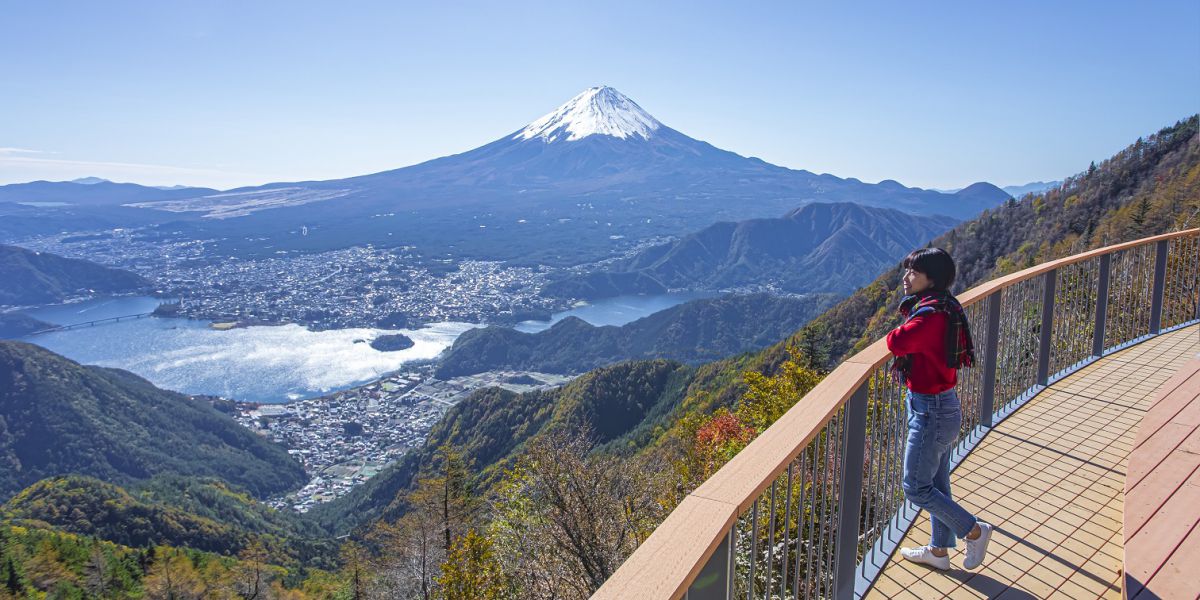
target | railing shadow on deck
[{"x": 813, "y": 507}]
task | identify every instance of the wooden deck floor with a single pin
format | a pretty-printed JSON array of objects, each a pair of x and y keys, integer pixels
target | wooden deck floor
[
  {"x": 1162, "y": 494},
  {"x": 1051, "y": 478}
]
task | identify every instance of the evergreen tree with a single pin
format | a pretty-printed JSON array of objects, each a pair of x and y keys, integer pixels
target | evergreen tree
[
  {"x": 1140, "y": 211},
  {"x": 813, "y": 346},
  {"x": 455, "y": 492},
  {"x": 354, "y": 557},
  {"x": 12, "y": 577}
]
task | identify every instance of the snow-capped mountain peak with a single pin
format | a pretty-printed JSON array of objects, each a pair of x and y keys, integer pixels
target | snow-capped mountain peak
[{"x": 596, "y": 111}]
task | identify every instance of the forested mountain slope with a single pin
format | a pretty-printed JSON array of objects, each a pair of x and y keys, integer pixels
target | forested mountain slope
[
  {"x": 818, "y": 247},
  {"x": 201, "y": 514},
  {"x": 41, "y": 278},
  {"x": 692, "y": 332},
  {"x": 58, "y": 417}
]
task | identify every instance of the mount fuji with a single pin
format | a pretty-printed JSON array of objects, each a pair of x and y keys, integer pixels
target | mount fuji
[
  {"x": 592, "y": 176},
  {"x": 602, "y": 144}
]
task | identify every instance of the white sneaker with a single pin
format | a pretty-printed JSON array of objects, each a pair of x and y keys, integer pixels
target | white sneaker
[
  {"x": 925, "y": 556},
  {"x": 977, "y": 548}
]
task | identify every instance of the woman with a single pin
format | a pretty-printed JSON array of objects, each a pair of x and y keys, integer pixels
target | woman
[{"x": 932, "y": 343}]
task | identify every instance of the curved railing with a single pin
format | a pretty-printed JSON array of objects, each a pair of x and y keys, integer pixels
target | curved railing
[{"x": 813, "y": 507}]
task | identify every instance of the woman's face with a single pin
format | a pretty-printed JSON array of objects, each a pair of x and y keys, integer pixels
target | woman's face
[{"x": 915, "y": 282}]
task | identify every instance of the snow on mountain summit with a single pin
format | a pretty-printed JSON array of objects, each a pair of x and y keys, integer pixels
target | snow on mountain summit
[{"x": 596, "y": 111}]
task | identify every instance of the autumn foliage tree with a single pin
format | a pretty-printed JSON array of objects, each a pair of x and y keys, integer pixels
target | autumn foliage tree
[
  {"x": 472, "y": 572},
  {"x": 407, "y": 553},
  {"x": 567, "y": 518},
  {"x": 709, "y": 441}
]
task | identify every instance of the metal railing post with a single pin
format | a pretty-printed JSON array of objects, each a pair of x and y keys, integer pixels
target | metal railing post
[
  {"x": 991, "y": 347},
  {"x": 715, "y": 580},
  {"x": 1101, "y": 305},
  {"x": 850, "y": 495},
  {"x": 1043, "y": 369},
  {"x": 1160, "y": 279}
]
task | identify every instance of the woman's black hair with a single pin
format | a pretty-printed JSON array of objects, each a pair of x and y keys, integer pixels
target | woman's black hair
[{"x": 935, "y": 264}]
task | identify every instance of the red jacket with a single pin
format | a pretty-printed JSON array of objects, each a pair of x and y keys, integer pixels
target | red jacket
[{"x": 924, "y": 338}]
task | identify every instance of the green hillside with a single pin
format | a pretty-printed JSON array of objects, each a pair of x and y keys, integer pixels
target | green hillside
[
  {"x": 692, "y": 332},
  {"x": 818, "y": 247},
  {"x": 42, "y": 278},
  {"x": 15, "y": 325},
  {"x": 37, "y": 561},
  {"x": 203, "y": 515},
  {"x": 491, "y": 425},
  {"x": 58, "y": 417}
]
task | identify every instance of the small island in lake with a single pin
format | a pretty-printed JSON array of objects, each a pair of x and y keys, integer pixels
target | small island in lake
[{"x": 391, "y": 342}]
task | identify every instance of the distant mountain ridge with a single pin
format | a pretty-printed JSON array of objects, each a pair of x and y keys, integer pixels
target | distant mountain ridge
[
  {"x": 565, "y": 189},
  {"x": 58, "y": 417},
  {"x": 1035, "y": 187},
  {"x": 93, "y": 191},
  {"x": 696, "y": 331},
  {"x": 41, "y": 277},
  {"x": 600, "y": 143},
  {"x": 815, "y": 248},
  {"x": 52, "y": 207}
]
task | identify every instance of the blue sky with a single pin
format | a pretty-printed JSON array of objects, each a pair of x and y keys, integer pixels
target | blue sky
[{"x": 933, "y": 94}]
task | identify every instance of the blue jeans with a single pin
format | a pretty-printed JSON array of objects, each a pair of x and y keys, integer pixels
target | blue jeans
[{"x": 933, "y": 423}]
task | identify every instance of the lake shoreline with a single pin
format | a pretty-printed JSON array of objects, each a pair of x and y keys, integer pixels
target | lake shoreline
[{"x": 268, "y": 363}]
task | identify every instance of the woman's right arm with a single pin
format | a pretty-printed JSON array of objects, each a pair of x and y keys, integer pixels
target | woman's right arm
[{"x": 910, "y": 337}]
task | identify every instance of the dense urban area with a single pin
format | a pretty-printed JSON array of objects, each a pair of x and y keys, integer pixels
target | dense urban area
[
  {"x": 351, "y": 287},
  {"x": 345, "y": 438}
]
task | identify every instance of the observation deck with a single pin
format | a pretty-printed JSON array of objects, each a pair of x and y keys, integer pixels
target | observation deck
[
  {"x": 1052, "y": 479},
  {"x": 1079, "y": 443}
]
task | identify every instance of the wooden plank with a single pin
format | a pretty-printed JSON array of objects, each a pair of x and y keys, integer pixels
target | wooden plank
[
  {"x": 1167, "y": 410},
  {"x": 665, "y": 564},
  {"x": 1192, "y": 443},
  {"x": 1177, "y": 577},
  {"x": 1149, "y": 548},
  {"x": 1145, "y": 458},
  {"x": 1156, "y": 489},
  {"x": 1185, "y": 372},
  {"x": 876, "y": 355},
  {"x": 1190, "y": 414}
]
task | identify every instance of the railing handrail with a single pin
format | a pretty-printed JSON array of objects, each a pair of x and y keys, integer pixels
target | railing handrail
[
  {"x": 877, "y": 354},
  {"x": 674, "y": 554}
]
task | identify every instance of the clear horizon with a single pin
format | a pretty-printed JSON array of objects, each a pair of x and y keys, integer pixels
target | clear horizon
[{"x": 934, "y": 96}]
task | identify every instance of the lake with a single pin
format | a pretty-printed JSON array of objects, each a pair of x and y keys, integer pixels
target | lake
[
  {"x": 616, "y": 311},
  {"x": 271, "y": 363},
  {"x": 258, "y": 364}
]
